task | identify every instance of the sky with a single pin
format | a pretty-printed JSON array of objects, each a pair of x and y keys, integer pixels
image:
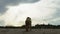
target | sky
[{"x": 15, "y": 12}]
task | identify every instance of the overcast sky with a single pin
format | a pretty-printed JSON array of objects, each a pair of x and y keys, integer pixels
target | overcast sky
[{"x": 14, "y": 12}]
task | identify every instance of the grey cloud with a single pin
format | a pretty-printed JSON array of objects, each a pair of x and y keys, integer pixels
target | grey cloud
[
  {"x": 55, "y": 16},
  {"x": 57, "y": 13},
  {"x": 4, "y": 3},
  {"x": 55, "y": 22}
]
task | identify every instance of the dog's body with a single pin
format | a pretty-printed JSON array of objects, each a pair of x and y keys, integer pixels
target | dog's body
[{"x": 28, "y": 23}]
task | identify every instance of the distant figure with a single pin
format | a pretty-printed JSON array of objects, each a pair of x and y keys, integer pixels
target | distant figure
[{"x": 28, "y": 24}]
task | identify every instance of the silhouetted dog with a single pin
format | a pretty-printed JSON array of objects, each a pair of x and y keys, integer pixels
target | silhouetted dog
[{"x": 28, "y": 24}]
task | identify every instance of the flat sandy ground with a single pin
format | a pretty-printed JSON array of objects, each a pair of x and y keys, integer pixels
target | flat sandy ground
[{"x": 33, "y": 31}]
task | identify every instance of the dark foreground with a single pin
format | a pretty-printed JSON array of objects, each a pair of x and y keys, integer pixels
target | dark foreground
[{"x": 33, "y": 31}]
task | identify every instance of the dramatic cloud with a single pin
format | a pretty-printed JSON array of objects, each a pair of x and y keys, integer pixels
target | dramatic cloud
[
  {"x": 4, "y": 3},
  {"x": 37, "y": 11},
  {"x": 15, "y": 11}
]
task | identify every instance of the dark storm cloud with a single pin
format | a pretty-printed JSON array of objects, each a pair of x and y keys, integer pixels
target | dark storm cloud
[{"x": 4, "y": 3}]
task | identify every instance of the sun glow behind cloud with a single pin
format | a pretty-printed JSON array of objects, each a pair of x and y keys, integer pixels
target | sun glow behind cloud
[{"x": 38, "y": 11}]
